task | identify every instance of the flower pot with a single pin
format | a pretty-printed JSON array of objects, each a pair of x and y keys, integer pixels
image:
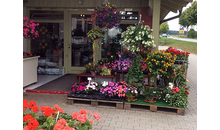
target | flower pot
[
  {"x": 150, "y": 101},
  {"x": 131, "y": 100},
  {"x": 93, "y": 73}
]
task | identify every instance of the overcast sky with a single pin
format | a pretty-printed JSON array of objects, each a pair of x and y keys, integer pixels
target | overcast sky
[{"x": 174, "y": 24}]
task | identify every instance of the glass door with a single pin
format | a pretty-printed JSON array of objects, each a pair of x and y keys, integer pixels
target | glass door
[{"x": 80, "y": 46}]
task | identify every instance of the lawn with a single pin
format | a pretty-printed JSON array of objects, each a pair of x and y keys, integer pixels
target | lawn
[{"x": 183, "y": 45}]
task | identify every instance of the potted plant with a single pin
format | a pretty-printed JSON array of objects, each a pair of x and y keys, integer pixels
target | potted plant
[
  {"x": 108, "y": 89},
  {"x": 131, "y": 93},
  {"x": 29, "y": 29},
  {"x": 159, "y": 63},
  {"x": 91, "y": 87},
  {"x": 105, "y": 71},
  {"x": 151, "y": 93},
  {"x": 88, "y": 67},
  {"x": 176, "y": 96},
  {"x": 106, "y": 16},
  {"x": 55, "y": 118},
  {"x": 122, "y": 65},
  {"x": 135, "y": 72},
  {"x": 138, "y": 38},
  {"x": 78, "y": 87},
  {"x": 95, "y": 34}
]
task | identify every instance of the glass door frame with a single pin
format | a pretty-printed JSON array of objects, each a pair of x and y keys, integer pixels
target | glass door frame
[{"x": 68, "y": 63}]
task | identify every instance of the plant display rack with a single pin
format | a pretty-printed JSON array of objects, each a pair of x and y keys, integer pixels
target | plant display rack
[
  {"x": 153, "y": 106},
  {"x": 96, "y": 100}
]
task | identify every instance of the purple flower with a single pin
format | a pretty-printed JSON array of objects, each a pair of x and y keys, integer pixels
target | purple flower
[
  {"x": 129, "y": 55},
  {"x": 133, "y": 55}
]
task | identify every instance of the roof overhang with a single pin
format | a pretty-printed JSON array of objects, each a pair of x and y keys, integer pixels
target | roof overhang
[{"x": 172, "y": 5}]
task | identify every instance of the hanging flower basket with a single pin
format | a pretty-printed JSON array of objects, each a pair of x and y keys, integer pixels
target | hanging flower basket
[
  {"x": 106, "y": 16},
  {"x": 29, "y": 29}
]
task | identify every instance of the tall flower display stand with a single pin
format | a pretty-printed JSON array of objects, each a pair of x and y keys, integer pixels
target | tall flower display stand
[
  {"x": 30, "y": 70},
  {"x": 97, "y": 50}
]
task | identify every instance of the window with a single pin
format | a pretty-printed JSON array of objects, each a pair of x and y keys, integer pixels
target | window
[
  {"x": 129, "y": 15},
  {"x": 46, "y": 14}
]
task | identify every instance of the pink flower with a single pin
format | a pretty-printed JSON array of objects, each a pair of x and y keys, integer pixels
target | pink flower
[
  {"x": 96, "y": 116},
  {"x": 177, "y": 89},
  {"x": 82, "y": 118}
]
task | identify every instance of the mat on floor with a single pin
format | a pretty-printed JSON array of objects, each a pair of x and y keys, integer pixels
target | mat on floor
[{"x": 60, "y": 84}]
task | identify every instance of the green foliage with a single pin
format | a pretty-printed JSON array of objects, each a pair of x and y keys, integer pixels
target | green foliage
[
  {"x": 151, "y": 92},
  {"x": 95, "y": 33},
  {"x": 105, "y": 71},
  {"x": 164, "y": 27},
  {"x": 191, "y": 14},
  {"x": 192, "y": 34},
  {"x": 135, "y": 72},
  {"x": 183, "y": 21}
]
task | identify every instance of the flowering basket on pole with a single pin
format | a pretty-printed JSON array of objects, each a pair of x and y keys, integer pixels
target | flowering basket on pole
[{"x": 106, "y": 16}]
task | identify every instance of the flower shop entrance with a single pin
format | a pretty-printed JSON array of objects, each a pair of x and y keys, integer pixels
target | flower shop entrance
[{"x": 79, "y": 47}]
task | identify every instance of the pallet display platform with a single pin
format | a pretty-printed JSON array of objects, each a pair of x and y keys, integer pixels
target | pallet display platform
[
  {"x": 95, "y": 103},
  {"x": 153, "y": 106}
]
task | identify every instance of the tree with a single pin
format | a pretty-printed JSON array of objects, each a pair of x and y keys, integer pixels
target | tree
[
  {"x": 183, "y": 21},
  {"x": 191, "y": 14},
  {"x": 164, "y": 27}
]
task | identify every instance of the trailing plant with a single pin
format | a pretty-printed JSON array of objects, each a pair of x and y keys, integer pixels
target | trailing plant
[
  {"x": 106, "y": 16},
  {"x": 138, "y": 38},
  {"x": 29, "y": 29},
  {"x": 94, "y": 34}
]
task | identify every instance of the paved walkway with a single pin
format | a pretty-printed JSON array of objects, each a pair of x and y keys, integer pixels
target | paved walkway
[{"x": 115, "y": 119}]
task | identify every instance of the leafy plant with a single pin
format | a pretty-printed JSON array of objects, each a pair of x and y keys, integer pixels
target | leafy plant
[
  {"x": 135, "y": 72},
  {"x": 177, "y": 96},
  {"x": 105, "y": 71},
  {"x": 94, "y": 34},
  {"x": 151, "y": 92},
  {"x": 131, "y": 91},
  {"x": 29, "y": 31}
]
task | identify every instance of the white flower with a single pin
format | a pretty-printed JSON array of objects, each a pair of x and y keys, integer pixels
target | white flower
[
  {"x": 170, "y": 85},
  {"x": 104, "y": 83}
]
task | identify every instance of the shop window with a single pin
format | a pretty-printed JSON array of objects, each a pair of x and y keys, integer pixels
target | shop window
[
  {"x": 82, "y": 51},
  {"x": 46, "y": 14},
  {"x": 129, "y": 15},
  {"x": 49, "y": 45}
]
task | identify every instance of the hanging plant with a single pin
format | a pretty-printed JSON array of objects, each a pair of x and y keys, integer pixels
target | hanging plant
[
  {"x": 94, "y": 34},
  {"x": 106, "y": 16},
  {"x": 138, "y": 37},
  {"x": 29, "y": 31}
]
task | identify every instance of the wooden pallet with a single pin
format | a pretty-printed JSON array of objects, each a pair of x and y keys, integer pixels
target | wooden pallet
[
  {"x": 95, "y": 103},
  {"x": 128, "y": 106}
]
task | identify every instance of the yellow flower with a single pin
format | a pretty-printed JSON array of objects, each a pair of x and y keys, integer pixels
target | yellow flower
[
  {"x": 167, "y": 76},
  {"x": 187, "y": 80}
]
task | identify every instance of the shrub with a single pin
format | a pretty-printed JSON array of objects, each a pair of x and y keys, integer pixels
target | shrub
[{"x": 192, "y": 33}]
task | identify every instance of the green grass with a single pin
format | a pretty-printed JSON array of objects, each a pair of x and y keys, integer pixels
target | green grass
[{"x": 178, "y": 44}]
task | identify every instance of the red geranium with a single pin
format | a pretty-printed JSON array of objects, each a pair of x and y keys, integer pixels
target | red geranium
[
  {"x": 83, "y": 112},
  {"x": 35, "y": 109},
  {"x": 32, "y": 103}
]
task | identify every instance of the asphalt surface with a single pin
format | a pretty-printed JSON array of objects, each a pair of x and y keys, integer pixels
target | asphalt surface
[{"x": 184, "y": 39}]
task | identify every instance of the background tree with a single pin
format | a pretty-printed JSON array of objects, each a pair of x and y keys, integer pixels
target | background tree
[
  {"x": 191, "y": 14},
  {"x": 164, "y": 27},
  {"x": 183, "y": 21}
]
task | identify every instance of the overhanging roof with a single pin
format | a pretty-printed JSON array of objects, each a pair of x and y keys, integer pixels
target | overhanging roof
[{"x": 171, "y": 5}]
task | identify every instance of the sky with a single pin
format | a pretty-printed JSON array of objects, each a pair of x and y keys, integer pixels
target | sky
[{"x": 174, "y": 24}]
